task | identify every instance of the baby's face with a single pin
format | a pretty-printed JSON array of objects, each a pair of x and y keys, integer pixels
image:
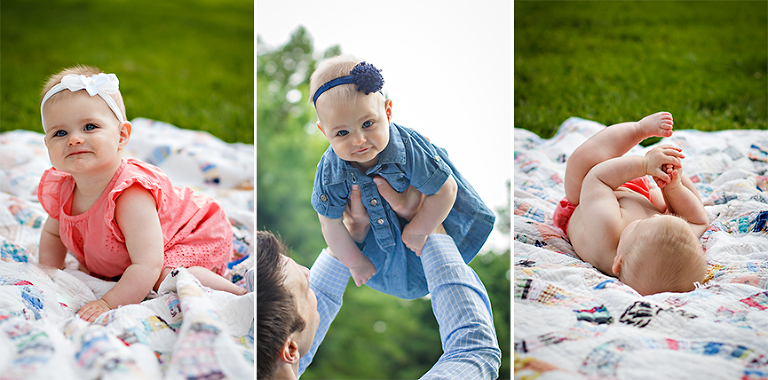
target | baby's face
[
  {"x": 358, "y": 131},
  {"x": 83, "y": 134}
]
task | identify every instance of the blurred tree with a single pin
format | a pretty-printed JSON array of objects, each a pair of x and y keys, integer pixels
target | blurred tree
[
  {"x": 374, "y": 335},
  {"x": 287, "y": 153}
]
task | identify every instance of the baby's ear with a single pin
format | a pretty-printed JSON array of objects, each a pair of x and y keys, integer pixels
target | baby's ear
[
  {"x": 320, "y": 127},
  {"x": 125, "y": 133},
  {"x": 616, "y": 267}
]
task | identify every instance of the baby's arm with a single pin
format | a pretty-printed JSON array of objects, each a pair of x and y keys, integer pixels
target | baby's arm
[
  {"x": 434, "y": 210},
  {"x": 602, "y": 222},
  {"x": 52, "y": 251},
  {"x": 344, "y": 248},
  {"x": 136, "y": 215},
  {"x": 617, "y": 171}
]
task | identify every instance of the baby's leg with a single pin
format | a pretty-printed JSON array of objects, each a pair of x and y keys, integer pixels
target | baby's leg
[
  {"x": 609, "y": 143},
  {"x": 361, "y": 268},
  {"x": 207, "y": 278},
  {"x": 214, "y": 281},
  {"x": 343, "y": 248}
]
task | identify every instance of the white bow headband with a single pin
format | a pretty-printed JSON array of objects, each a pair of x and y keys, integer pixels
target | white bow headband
[{"x": 101, "y": 84}]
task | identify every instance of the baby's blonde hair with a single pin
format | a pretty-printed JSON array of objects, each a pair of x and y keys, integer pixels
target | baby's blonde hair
[
  {"x": 665, "y": 258},
  {"x": 79, "y": 70},
  {"x": 329, "y": 69}
]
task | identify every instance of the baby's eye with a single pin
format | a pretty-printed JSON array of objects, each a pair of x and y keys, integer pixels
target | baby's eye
[
  {"x": 367, "y": 124},
  {"x": 90, "y": 127},
  {"x": 342, "y": 133},
  {"x": 60, "y": 133}
]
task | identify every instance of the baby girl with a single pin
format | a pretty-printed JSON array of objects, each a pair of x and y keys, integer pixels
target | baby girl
[{"x": 121, "y": 218}]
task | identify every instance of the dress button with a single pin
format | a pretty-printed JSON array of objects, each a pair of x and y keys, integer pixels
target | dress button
[
  {"x": 323, "y": 198},
  {"x": 380, "y": 221},
  {"x": 374, "y": 202}
]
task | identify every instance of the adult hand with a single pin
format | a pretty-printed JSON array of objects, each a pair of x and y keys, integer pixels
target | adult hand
[
  {"x": 355, "y": 216},
  {"x": 405, "y": 204}
]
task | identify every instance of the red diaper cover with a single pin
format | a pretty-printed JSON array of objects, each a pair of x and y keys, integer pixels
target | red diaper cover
[{"x": 565, "y": 209}]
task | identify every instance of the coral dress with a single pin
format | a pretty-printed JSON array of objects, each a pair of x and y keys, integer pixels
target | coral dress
[{"x": 195, "y": 230}]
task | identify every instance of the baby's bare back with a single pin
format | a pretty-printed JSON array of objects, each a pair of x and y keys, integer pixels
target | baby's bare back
[{"x": 596, "y": 243}]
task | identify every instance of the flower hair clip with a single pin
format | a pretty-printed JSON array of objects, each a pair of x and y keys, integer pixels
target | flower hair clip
[
  {"x": 99, "y": 84},
  {"x": 365, "y": 76}
]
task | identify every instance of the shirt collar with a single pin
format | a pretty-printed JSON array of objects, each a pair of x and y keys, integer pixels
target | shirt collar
[{"x": 393, "y": 153}]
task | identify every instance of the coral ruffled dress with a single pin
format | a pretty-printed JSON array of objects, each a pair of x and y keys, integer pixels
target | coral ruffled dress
[{"x": 195, "y": 230}]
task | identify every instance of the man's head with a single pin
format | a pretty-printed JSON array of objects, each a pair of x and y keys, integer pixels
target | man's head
[
  {"x": 355, "y": 122},
  {"x": 660, "y": 254},
  {"x": 287, "y": 315}
]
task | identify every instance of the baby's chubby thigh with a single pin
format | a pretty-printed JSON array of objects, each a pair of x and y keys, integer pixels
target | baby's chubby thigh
[{"x": 657, "y": 198}]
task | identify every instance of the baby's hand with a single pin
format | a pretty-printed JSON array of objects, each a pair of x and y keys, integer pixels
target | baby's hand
[
  {"x": 675, "y": 175},
  {"x": 658, "y": 159},
  {"x": 93, "y": 310},
  {"x": 414, "y": 240},
  {"x": 666, "y": 168}
]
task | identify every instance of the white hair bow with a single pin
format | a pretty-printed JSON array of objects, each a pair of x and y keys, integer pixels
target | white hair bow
[
  {"x": 108, "y": 83},
  {"x": 99, "y": 84}
]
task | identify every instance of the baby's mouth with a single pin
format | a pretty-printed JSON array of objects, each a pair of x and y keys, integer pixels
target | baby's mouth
[{"x": 77, "y": 153}]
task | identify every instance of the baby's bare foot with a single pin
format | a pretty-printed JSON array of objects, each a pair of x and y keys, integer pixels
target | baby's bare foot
[
  {"x": 363, "y": 272},
  {"x": 659, "y": 124}
]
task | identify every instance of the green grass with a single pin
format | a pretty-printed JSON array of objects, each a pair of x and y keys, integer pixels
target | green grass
[
  {"x": 705, "y": 62},
  {"x": 188, "y": 63}
]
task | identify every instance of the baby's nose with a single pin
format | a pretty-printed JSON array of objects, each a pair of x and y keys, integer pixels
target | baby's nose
[{"x": 75, "y": 139}]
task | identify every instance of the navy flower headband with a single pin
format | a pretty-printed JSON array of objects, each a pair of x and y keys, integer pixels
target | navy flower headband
[{"x": 366, "y": 76}]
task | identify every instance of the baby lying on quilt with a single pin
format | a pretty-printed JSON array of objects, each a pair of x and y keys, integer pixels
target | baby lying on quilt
[{"x": 648, "y": 238}]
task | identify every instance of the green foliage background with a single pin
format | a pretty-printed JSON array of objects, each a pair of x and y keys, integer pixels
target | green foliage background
[
  {"x": 706, "y": 62},
  {"x": 374, "y": 336},
  {"x": 188, "y": 63}
]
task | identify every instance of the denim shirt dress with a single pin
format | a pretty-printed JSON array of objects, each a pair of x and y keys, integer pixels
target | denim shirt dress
[{"x": 408, "y": 159}]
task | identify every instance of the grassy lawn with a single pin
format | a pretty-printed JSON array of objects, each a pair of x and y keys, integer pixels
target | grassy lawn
[
  {"x": 188, "y": 63},
  {"x": 705, "y": 62}
]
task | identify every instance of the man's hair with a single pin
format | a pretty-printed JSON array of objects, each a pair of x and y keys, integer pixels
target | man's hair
[
  {"x": 276, "y": 314},
  {"x": 79, "y": 70},
  {"x": 329, "y": 69},
  {"x": 666, "y": 258}
]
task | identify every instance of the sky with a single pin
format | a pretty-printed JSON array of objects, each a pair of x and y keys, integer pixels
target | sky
[{"x": 447, "y": 67}]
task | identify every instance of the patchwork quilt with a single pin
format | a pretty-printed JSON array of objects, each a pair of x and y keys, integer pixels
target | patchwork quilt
[
  {"x": 184, "y": 331},
  {"x": 572, "y": 321}
]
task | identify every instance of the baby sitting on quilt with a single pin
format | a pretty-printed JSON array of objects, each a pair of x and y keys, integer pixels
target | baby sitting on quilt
[
  {"x": 648, "y": 238},
  {"x": 121, "y": 218}
]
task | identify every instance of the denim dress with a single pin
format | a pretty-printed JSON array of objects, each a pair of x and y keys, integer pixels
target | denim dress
[{"x": 408, "y": 159}]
